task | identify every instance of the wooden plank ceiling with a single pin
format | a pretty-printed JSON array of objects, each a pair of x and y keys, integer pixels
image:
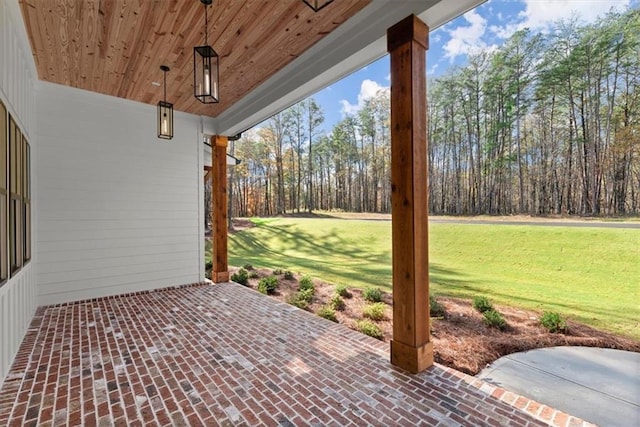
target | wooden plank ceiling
[{"x": 116, "y": 47}]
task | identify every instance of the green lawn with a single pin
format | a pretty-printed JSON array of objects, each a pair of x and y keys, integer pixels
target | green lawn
[{"x": 590, "y": 274}]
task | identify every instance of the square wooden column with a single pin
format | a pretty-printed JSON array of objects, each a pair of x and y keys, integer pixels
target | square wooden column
[
  {"x": 220, "y": 271},
  {"x": 411, "y": 347}
]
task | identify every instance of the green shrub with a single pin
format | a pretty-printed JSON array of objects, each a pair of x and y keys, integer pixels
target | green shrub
[
  {"x": 288, "y": 275},
  {"x": 482, "y": 304},
  {"x": 369, "y": 328},
  {"x": 372, "y": 294},
  {"x": 374, "y": 311},
  {"x": 208, "y": 265},
  {"x": 248, "y": 267},
  {"x": 254, "y": 275},
  {"x": 277, "y": 272},
  {"x": 435, "y": 308},
  {"x": 307, "y": 294},
  {"x": 336, "y": 302},
  {"x": 343, "y": 291},
  {"x": 328, "y": 313},
  {"x": 553, "y": 322},
  {"x": 299, "y": 299},
  {"x": 494, "y": 319},
  {"x": 268, "y": 285},
  {"x": 241, "y": 276},
  {"x": 305, "y": 283}
]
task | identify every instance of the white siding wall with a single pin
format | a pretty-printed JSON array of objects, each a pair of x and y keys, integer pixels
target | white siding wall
[
  {"x": 17, "y": 80},
  {"x": 119, "y": 210}
]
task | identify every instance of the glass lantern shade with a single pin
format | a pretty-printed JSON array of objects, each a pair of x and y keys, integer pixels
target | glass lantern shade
[
  {"x": 205, "y": 74},
  {"x": 165, "y": 120}
]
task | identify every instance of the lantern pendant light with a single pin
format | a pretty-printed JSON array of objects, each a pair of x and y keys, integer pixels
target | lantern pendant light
[
  {"x": 165, "y": 112},
  {"x": 205, "y": 67}
]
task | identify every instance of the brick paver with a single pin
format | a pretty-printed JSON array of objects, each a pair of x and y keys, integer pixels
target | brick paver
[{"x": 225, "y": 355}]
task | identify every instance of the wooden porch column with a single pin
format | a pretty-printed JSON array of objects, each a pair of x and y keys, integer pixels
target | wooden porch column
[
  {"x": 407, "y": 42},
  {"x": 220, "y": 271}
]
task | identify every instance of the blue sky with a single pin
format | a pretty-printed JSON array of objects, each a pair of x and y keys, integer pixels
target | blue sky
[{"x": 485, "y": 27}]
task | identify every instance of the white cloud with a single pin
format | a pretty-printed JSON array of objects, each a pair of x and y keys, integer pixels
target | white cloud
[
  {"x": 368, "y": 89},
  {"x": 539, "y": 15},
  {"x": 466, "y": 39}
]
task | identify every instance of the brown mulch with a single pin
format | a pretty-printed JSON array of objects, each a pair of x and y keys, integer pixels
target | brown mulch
[{"x": 461, "y": 340}]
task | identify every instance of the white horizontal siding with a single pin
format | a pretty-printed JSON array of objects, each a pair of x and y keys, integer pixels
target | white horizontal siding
[
  {"x": 18, "y": 295},
  {"x": 119, "y": 209}
]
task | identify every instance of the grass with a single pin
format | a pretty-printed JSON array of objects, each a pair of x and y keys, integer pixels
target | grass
[{"x": 586, "y": 274}]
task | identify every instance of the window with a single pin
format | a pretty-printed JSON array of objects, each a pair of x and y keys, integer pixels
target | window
[
  {"x": 26, "y": 200},
  {"x": 15, "y": 197},
  {"x": 4, "y": 244}
]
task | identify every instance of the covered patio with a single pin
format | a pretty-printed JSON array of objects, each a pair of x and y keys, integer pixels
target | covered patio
[
  {"x": 100, "y": 219},
  {"x": 224, "y": 354}
]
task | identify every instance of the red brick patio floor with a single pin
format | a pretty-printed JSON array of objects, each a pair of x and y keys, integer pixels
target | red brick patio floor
[{"x": 226, "y": 355}]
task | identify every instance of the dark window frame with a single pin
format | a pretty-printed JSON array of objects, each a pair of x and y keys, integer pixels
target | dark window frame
[{"x": 4, "y": 191}]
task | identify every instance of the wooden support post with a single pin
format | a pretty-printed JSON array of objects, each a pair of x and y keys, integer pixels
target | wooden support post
[
  {"x": 220, "y": 271},
  {"x": 411, "y": 347}
]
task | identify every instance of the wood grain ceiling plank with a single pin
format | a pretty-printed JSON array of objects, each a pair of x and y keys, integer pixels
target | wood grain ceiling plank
[
  {"x": 33, "y": 32},
  {"x": 89, "y": 41},
  {"x": 51, "y": 51},
  {"x": 120, "y": 40},
  {"x": 75, "y": 13},
  {"x": 110, "y": 19}
]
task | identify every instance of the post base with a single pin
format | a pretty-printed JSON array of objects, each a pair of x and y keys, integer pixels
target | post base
[
  {"x": 220, "y": 277},
  {"x": 412, "y": 359}
]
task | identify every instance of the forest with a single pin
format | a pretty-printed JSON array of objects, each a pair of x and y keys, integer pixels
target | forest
[{"x": 546, "y": 124}]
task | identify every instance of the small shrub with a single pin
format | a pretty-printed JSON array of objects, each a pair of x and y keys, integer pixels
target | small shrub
[
  {"x": 553, "y": 322},
  {"x": 305, "y": 283},
  {"x": 343, "y": 291},
  {"x": 369, "y": 328},
  {"x": 372, "y": 294},
  {"x": 374, "y": 311},
  {"x": 494, "y": 319},
  {"x": 336, "y": 302},
  {"x": 482, "y": 304},
  {"x": 328, "y": 313},
  {"x": 248, "y": 267},
  {"x": 435, "y": 308},
  {"x": 254, "y": 275},
  {"x": 268, "y": 285},
  {"x": 208, "y": 265},
  {"x": 241, "y": 276},
  {"x": 288, "y": 275},
  {"x": 307, "y": 294},
  {"x": 298, "y": 299},
  {"x": 277, "y": 272}
]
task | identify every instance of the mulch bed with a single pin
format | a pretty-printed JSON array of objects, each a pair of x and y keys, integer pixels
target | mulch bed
[{"x": 461, "y": 340}]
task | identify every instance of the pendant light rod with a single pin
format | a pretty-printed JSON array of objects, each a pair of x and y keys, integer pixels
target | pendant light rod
[
  {"x": 164, "y": 68},
  {"x": 206, "y": 20}
]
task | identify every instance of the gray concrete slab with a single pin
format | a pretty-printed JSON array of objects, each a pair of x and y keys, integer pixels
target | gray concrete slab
[{"x": 599, "y": 385}]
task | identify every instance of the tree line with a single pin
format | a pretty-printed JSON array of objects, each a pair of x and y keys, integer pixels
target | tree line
[{"x": 545, "y": 124}]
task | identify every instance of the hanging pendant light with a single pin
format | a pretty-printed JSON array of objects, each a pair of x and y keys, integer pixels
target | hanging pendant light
[
  {"x": 316, "y": 5},
  {"x": 205, "y": 67},
  {"x": 165, "y": 112}
]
